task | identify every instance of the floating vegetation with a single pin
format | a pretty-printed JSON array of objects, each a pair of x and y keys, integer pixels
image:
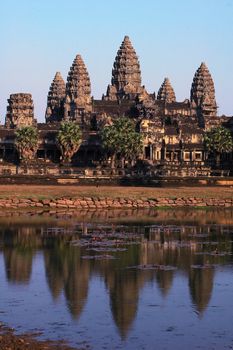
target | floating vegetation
[
  {"x": 164, "y": 229},
  {"x": 98, "y": 257},
  {"x": 214, "y": 253},
  {"x": 103, "y": 241},
  {"x": 199, "y": 235},
  {"x": 205, "y": 266},
  {"x": 207, "y": 242},
  {"x": 107, "y": 249},
  {"x": 183, "y": 244},
  {"x": 155, "y": 267},
  {"x": 112, "y": 235}
]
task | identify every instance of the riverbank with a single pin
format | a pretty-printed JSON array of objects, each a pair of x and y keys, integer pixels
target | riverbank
[
  {"x": 73, "y": 197},
  {"x": 10, "y": 341}
]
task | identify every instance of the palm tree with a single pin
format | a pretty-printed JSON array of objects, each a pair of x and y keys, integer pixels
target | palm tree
[
  {"x": 69, "y": 139},
  {"x": 121, "y": 140},
  {"x": 26, "y": 142},
  {"x": 218, "y": 141}
]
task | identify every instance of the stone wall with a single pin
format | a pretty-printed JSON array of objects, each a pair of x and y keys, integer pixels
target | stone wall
[{"x": 93, "y": 203}]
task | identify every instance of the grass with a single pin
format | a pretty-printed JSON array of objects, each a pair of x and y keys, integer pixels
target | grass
[
  {"x": 202, "y": 207},
  {"x": 163, "y": 207},
  {"x": 49, "y": 192}
]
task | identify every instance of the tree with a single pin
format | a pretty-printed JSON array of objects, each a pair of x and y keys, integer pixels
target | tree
[
  {"x": 26, "y": 142},
  {"x": 218, "y": 141},
  {"x": 69, "y": 139},
  {"x": 121, "y": 140}
]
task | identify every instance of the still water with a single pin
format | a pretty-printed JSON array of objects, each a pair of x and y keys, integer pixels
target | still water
[{"x": 120, "y": 279}]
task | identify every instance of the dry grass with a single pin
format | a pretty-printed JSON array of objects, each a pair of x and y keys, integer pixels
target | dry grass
[{"x": 42, "y": 192}]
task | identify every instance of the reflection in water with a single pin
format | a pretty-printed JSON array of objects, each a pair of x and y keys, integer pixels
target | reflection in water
[
  {"x": 18, "y": 254},
  {"x": 124, "y": 291},
  {"x": 124, "y": 286},
  {"x": 76, "y": 283},
  {"x": 182, "y": 246},
  {"x": 201, "y": 285},
  {"x": 65, "y": 269}
]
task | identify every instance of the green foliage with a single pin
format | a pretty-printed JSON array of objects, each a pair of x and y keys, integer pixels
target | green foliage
[
  {"x": 26, "y": 142},
  {"x": 219, "y": 140},
  {"x": 121, "y": 139},
  {"x": 69, "y": 139}
]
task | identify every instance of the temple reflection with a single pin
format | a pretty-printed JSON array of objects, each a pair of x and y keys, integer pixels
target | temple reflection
[
  {"x": 201, "y": 286},
  {"x": 76, "y": 284},
  {"x": 191, "y": 249},
  {"x": 124, "y": 287},
  {"x": 18, "y": 265},
  {"x": 124, "y": 293},
  {"x": 18, "y": 253},
  {"x": 67, "y": 271}
]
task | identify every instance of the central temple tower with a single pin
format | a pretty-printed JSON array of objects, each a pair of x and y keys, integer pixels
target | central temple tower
[{"x": 126, "y": 75}]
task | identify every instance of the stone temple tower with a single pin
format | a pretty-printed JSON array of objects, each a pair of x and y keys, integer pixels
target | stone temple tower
[
  {"x": 20, "y": 111},
  {"x": 78, "y": 100},
  {"x": 203, "y": 94},
  {"x": 166, "y": 92},
  {"x": 126, "y": 74},
  {"x": 56, "y": 95}
]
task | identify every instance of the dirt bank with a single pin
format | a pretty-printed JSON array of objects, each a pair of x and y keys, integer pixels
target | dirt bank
[
  {"x": 27, "y": 191},
  {"x": 10, "y": 341}
]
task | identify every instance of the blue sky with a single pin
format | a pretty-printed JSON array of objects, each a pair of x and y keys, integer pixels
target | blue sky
[{"x": 171, "y": 38}]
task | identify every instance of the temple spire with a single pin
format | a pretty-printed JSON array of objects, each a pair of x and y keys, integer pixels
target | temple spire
[
  {"x": 55, "y": 99},
  {"x": 78, "y": 90},
  {"x": 126, "y": 74},
  {"x": 166, "y": 92},
  {"x": 20, "y": 111},
  {"x": 203, "y": 91}
]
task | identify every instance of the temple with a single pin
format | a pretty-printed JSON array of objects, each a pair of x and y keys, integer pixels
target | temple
[
  {"x": 203, "y": 94},
  {"x": 166, "y": 92},
  {"x": 77, "y": 100},
  {"x": 126, "y": 75},
  {"x": 20, "y": 111},
  {"x": 56, "y": 95},
  {"x": 172, "y": 130}
]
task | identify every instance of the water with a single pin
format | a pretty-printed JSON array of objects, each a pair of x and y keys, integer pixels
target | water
[{"x": 120, "y": 279}]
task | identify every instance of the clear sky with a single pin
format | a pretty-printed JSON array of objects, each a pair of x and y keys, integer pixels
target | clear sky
[{"x": 171, "y": 38}]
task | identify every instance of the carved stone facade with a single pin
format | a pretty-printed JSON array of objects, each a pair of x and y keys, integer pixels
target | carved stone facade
[
  {"x": 166, "y": 92},
  {"x": 78, "y": 100},
  {"x": 126, "y": 75},
  {"x": 172, "y": 144},
  {"x": 20, "y": 111},
  {"x": 172, "y": 131},
  {"x": 56, "y": 95}
]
